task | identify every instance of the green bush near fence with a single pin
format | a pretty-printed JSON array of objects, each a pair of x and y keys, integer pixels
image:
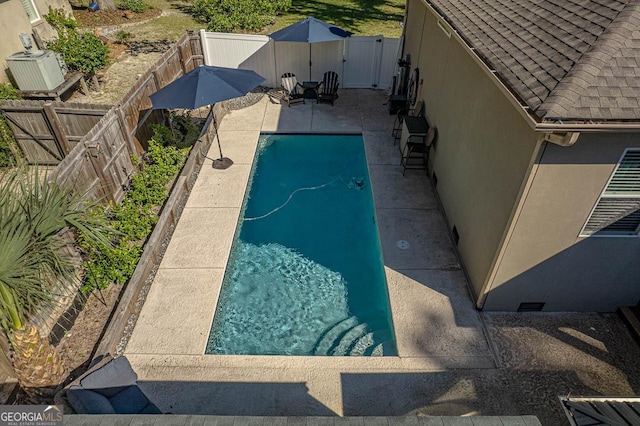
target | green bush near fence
[
  {"x": 135, "y": 217},
  {"x": 137, "y": 6},
  {"x": 7, "y": 91},
  {"x": 6, "y": 139},
  {"x": 235, "y": 15},
  {"x": 362, "y": 17},
  {"x": 81, "y": 51}
]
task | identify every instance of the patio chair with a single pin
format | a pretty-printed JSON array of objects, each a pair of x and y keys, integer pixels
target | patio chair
[
  {"x": 421, "y": 146},
  {"x": 293, "y": 91},
  {"x": 328, "y": 90}
]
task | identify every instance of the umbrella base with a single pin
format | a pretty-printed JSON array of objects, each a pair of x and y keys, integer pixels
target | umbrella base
[{"x": 222, "y": 163}]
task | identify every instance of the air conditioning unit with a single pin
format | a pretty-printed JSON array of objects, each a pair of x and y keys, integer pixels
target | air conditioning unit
[{"x": 36, "y": 70}]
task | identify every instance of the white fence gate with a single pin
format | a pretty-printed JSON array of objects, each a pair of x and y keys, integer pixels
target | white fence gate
[{"x": 361, "y": 62}]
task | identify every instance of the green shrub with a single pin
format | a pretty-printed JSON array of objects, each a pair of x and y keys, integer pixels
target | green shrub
[
  {"x": 137, "y": 6},
  {"x": 123, "y": 37},
  {"x": 231, "y": 15},
  {"x": 186, "y": 127},
  {"x": 7, "y": 91},
  {"x": 82, "y": 52},
  {"x": 162, "y": 135},
  {"x": 6, "y": 141},
  {"x": 136, "y": 216}
]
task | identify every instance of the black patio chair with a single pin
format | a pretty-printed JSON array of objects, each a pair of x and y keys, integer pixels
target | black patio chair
[
  {"x": 328, "y": 90},
  {"x": 418, "y": 145},
  {"x": 293, "y": 91}
]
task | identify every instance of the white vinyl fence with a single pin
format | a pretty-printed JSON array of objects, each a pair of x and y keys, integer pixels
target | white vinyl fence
[{"x": 361, "y": 62}]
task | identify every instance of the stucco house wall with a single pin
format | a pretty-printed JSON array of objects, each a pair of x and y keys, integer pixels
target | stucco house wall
[
  {"x": 14, "y": 20},
  {"x": 545, "y": 258},
  {"x": 484, "y": 147},
  {"x": 518, "y": 202}
]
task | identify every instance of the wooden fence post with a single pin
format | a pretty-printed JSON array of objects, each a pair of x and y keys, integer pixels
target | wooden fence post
[
  {"x": 131, "y": 143},
  {"x": 183, "y": 62},
  {"x": 154, "y": 73},
  {"x": 95, "y": 154},
  {"x": 56, "y": 128}
]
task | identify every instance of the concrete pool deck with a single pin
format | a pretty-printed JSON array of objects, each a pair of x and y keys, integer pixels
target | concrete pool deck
[
  {"x": 426, "y": 285},
  {"x": 447, "y": 361}
]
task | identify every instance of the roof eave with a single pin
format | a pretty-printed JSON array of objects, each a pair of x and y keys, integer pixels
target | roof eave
[{"x": 537, "y": 123}]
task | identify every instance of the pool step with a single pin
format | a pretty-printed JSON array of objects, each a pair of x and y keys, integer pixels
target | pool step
[
  {"x": 328, "y": 338},
  {"x": 361, "y": 346},
  {"x": 378, "y": 350},
  {"x": 350, "y": 337}
]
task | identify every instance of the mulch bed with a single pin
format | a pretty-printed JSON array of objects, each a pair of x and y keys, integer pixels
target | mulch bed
[{"x": 89, "y": 19}]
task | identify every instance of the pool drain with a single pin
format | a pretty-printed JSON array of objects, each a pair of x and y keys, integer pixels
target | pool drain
[{"x": 402, "y": 244}]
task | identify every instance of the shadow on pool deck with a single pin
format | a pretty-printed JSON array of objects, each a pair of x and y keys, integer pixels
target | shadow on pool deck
[{"x": 448, "y": 351}]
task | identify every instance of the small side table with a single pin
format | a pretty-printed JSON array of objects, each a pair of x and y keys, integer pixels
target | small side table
[
  {"x": 414, "y": 132},
  {"x": 310, "y": 89}
]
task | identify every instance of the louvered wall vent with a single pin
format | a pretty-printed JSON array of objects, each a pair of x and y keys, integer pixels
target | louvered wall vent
[
  {"x": 531, "y": 307},
  {"x": 618, "y": 209}
]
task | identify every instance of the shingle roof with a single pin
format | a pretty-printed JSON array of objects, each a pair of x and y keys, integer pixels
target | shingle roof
[
  {"x": 593, "y": 411},
  {"x": 564, "y": 59}
]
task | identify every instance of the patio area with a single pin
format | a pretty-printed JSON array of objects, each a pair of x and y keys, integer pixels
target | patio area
[{"x": 452, "y": 360}]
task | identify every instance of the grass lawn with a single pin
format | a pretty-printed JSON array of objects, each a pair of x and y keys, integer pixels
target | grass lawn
[
  {"x": 362, "y": 17},
  {"x": 170, "y": 27}
]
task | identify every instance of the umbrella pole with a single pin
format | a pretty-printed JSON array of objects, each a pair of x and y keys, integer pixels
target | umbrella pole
[
  {"x": 222, "y": 162},
  {"x": 310, "y": 79},
  {"x": 217, "y": 138},
  {"x": 275, "y": 64}
]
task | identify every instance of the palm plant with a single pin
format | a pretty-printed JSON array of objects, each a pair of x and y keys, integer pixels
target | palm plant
[{"x": 33, "y": 215}]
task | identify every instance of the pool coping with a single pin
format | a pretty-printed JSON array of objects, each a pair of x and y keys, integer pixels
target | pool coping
[{"x": 379, "y": 280}]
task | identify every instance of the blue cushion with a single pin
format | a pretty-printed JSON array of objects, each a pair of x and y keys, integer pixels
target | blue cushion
[
  {"x": 132, "y": 401},
  {"x": 117, "y": 373},
  {"x": 150, "y": 409},
  {"x": 110, "y": 392},
  {"x": 85, "y": 401}
]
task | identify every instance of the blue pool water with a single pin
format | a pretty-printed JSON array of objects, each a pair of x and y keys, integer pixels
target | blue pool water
[{"x": 305, "y": 275}]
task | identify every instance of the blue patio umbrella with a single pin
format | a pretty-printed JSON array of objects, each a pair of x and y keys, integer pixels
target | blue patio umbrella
[
  {"x": 206, "y": 85},
  {"x": 310, "y": 30}
]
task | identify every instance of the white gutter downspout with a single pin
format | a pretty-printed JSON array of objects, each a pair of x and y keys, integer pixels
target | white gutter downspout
[{"x": 562, "y": 138}]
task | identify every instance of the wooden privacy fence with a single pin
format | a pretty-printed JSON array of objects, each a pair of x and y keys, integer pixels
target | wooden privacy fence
[
  {"x": 102, "y": 163},
  {"x": 135, "y": 106},
  {"x": 47, "y": 131},
  {"x": 92, "y": 145},
  {"x": 127, "y": 310}
]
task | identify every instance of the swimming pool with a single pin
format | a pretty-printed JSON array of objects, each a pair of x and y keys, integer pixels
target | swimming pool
[{"x": 305, "y": 275}]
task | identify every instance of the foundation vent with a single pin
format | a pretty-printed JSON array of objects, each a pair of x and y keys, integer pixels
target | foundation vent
[{"x": 531, "y": 307}]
